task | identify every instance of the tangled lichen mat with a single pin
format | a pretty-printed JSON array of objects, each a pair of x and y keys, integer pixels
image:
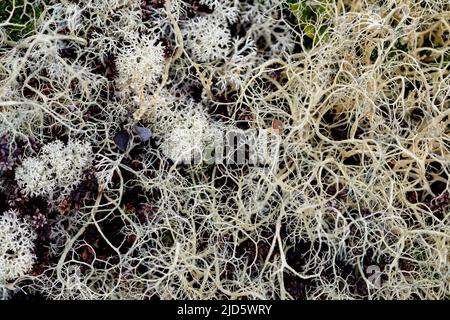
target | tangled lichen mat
[{"x": 224, "y": 149}]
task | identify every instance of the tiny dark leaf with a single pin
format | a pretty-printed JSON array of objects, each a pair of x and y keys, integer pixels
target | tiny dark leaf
[
  {"x": 122, "y": 138},
  {"x": 143, "y": 133}
]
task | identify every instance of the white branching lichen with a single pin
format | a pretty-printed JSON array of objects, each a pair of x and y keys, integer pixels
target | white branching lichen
[
  {"x": 140, "y": 65},
  {"x": 188, "y": 138},
  {"x": 16, "y": 247},
  {"x": 207, "y": 38},
  {"x": 56, "y": 170}
]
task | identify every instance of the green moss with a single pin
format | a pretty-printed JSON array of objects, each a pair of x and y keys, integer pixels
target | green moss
[
  {"x": 308, "y": 16},
  {"x": 374, "y": 55},
  {"x": 167, "y": 238},
  {"x": 24, "y": 15},
  {"x": 399, "y": 45}
]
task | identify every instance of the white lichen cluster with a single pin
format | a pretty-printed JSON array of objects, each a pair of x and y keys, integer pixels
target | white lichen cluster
[
  {"x": 189, "y": 138},
  {"x": 207, "y": 38},
  {"x": 16, "y": 247},
  {"x": 140, "y": 65},
  {"x": 56, "y": 170}
]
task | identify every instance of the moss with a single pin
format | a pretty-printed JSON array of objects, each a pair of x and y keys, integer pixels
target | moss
[
  {"x": 308, "y": 15},
  {"x": 168, "y": 239},
  {"x": 374, "y": 55},
  {"x": 24, "y": 14},
  {"x": 400, "y": 45}
]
